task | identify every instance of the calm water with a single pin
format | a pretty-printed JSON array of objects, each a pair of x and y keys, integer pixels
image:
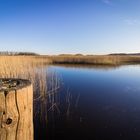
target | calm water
[{"x": 93, "y": 103}]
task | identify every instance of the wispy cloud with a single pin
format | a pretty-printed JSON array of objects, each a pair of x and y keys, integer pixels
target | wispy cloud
[
  {"x": 108, "y": 2},
  {"x": 132, "y": 21}
]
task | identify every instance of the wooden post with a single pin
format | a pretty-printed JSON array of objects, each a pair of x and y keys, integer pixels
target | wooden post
[{"x": 16, "y": 109}]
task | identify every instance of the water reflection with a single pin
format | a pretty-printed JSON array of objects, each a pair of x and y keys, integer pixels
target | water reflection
[
  {"x": 46, "y": 104},
  {"x": 80, "y": 66},
  {"x": 92, "y": 103}
]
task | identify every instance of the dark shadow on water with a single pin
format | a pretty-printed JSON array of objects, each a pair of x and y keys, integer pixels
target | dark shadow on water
[
  {"x": 91, "y": 104},
  {"x": 87, "y": 66}
]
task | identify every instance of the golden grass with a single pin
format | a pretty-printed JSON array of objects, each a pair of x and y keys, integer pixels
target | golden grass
[
  {"x": 96, "y": 59},
  {"x": 25, "y": 67},
  {"x": 19, "y": 66},
  {"x": 32, "y": 67}
]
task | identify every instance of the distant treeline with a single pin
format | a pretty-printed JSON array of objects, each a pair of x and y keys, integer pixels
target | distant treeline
[
  {"x": 118, "y": 54},
  {"x": 80, "y": 55},
  {"x": 18, "y": 53},
  {"x": 125, "y": 54}
]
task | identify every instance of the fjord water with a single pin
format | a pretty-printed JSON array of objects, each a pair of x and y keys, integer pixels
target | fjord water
[{"x": 94, "y": 103}]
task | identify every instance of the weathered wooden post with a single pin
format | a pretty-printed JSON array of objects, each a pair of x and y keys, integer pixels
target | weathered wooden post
[{"x": 16, "y": 109}]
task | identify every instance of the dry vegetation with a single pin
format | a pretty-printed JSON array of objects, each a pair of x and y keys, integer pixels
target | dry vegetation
[
  {"x": 25, "y": 67},
  {"x": 96, "y": 59},
  {"x": 32, "y": 67},
  {"x": 45, "y": 83}
]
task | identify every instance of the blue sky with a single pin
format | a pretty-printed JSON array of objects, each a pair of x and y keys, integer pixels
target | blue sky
[{"x": 70, "y": 26}]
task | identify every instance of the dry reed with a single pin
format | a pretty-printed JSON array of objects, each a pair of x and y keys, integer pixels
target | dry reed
[
  {"x": 25, "y": 67},
  {"x": 96, "y": 59},
  {"x": 45, "y": 83}
]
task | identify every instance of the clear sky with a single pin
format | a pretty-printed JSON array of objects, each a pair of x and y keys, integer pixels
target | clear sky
[{"x": 70, "y": 26}]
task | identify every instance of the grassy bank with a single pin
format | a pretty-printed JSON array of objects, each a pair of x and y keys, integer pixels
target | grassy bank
[
  {"x": 26, "y": 67},
  {"x": 96, "y": 59}
]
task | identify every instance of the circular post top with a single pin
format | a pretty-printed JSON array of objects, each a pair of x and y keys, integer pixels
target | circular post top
[{"x": 12, "y": 84}]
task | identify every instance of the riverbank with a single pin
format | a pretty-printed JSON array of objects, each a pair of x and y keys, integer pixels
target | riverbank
[
  {"x": 114, "y": 60},
  {"x": 95, "y": 59}
]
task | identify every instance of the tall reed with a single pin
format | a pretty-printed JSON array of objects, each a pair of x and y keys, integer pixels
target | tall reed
[
  {"x": 96, "y": 59},
  {"x": 25, "y": 67}
]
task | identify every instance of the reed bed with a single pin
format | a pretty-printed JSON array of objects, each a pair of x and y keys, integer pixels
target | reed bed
[
  {"x": 96, "y": 59},
  {"x": 32, "y": 67},
  {"x": 25, "y": 67},
  {"x": 45, "y": 83}
]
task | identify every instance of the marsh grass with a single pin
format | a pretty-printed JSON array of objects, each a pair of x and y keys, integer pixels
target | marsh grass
[
  {"x": 45, "y": 83},
  {"x": 33, "y": 68},
  {"x": 96, "y": 59},
  {"x": 24, "y": 67}
]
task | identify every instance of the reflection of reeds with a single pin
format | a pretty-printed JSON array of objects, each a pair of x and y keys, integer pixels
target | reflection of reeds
[
  {"x": 71, "y": 103},
  {"x": 53, "y": 86},
  {"x": 77, "y": 101},
  {"x": 68, "y": 102}
]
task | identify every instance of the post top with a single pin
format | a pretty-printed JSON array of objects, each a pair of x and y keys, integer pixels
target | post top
[{"x": 12, "y": 84}]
